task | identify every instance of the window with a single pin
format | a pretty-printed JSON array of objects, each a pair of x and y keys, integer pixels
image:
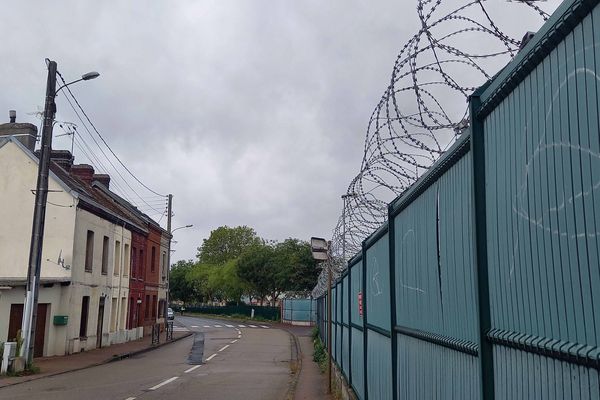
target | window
[
  {"x": 152, "y": 260},
  {"x": 164, "y": 265},
  {"x": 85, "y": 306},
  {"x": 153, "y": 306},
  {"x": 89, "y": 251},
  {"x": 161, "y": 308},
  {"x": 113, "y": 315},
  {"x": 147, "y": 311},
  {"x": 117, "y": 269},
  {"x": 105, "y": 255},
  {"x": 140, "y": 266},
  {"x": 127, "y": 258},
  {"x": 133, "y": 261}
]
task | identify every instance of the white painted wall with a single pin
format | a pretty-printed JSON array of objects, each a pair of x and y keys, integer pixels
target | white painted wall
[{"x": 18, "y": 177}]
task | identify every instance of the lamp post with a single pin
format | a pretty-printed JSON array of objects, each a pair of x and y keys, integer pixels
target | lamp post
[
  {"x": 321, "y": 252},
  {"x": 28, "y": 323},
  {"x": 170, "y": 215}
]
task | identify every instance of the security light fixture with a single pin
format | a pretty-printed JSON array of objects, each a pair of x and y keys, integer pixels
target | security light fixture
[{"x": 319, "y": 248}]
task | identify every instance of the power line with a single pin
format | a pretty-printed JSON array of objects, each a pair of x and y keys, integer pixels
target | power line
[{"x": 104, "y": 141}]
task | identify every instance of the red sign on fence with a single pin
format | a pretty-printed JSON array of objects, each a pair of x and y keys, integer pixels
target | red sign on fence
[{"x": 360, "y": 310}]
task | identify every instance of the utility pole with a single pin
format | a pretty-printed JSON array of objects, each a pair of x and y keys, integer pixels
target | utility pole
[
  {"x": 28, "y": 324},
  {"x": 169, "y": 215}
]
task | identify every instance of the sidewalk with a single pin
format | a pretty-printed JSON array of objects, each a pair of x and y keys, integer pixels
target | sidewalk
[
  {"x": 312, "y": 384},
  {"x": 60, "y": 364}
]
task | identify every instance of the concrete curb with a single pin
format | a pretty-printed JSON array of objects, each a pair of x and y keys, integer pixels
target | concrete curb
[
  {"x": 298, "y": 354},
  {"x": 123, "y": 356},
  {"x": 114, "y": 358}
]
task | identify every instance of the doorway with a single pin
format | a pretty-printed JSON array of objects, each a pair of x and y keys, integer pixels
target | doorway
[
  {"x": 14, "y": 325},
  {"x": 100, "y": 323}
]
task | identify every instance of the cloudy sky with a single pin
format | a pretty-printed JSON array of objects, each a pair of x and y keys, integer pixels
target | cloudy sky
[{"x": 250, "y": 112}]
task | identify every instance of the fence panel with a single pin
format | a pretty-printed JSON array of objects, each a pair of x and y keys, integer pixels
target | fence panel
[
  {"x": 542, "y": 156},
  {"x": 378, "y": 315},
  {"x": 513, "y": 207}
]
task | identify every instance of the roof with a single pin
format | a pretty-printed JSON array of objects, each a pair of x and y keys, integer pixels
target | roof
[
  {"x": 14, "y": 281},
  {"x": 95, "y": 197}
]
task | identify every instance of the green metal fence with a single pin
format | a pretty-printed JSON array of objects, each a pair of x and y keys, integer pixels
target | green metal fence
[
  {"x": 485, "y": 282},
  {"x": 270, "y": 313}
]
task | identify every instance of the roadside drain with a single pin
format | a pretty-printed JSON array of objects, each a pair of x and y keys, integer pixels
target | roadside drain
[{"x": 197, "y": 351}]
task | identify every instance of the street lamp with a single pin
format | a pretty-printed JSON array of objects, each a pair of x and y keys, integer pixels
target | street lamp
[
  {"x": 321, "y": 252},
  {"x": 170, "y": 204},
  {"x": 39, "y": 212},
  {"x": 182, "y": 227}
]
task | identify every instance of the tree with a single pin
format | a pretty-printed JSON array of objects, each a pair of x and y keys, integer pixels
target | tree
[
  {"x": 298, "y": 270},
  {"x": 225, "y": 244},
  {"x": 179, "y": 285},
  {"x": 255, "y": 267}
]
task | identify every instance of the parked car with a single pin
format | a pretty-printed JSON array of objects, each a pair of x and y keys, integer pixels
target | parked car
[{"x": 170, "y": 313}]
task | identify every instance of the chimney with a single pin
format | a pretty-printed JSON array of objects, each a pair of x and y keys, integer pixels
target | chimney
[
  {"x": 103, "y": 179},
  {"x": 64, "y": 158},
  {"x": 23, "y": 132},
  {"x": 84, "y": 172}
]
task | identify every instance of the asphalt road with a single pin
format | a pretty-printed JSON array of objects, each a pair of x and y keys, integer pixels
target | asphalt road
[{"x": 240, "y": 361}]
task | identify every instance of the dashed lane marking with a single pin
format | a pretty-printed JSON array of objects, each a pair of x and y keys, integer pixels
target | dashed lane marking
[
  {"x": 191, "y": 369},
  {"x": 233, "y": 341},
  {"x": 218, "y": 326},
  {"x": 163, "y": 383},
  {"x": 242, "y": 326},
  {"x": 223, "y": 348},
  {"x": 264, "y": 326},
  {"x": 211, "y": 357},
  {"x": 195, "y": 326},
  {"x": 207, "y": 326},
  {"x": 253, "y": 326},
  {"x": 130, "y": 398},
  {"x": 229, "y": 326}
]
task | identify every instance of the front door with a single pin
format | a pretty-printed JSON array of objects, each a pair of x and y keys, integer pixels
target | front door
[
  {"x": 15, "y": 321},
  {"x": 100, "y": 322}
]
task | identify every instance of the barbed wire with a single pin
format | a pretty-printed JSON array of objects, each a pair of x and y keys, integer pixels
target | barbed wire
[{"x": 420, "y": 114}]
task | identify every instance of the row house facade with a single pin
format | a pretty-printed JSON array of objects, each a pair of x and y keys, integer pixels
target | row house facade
[{"x": 99, "y": 283}]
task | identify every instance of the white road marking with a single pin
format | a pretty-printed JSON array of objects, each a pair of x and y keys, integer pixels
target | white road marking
[
  {"x": 253, "y": 326},
  {"x": 130, "y": 398},
  {"x": 229, "y": 326},
  {"x": 180, "y": 329},
  {"x": 223, "y": 348},
  {"x": 195, "y": 326},
  {"x": 242, "y": 326},
  {"x": 218, "y": 326},
  {"x": 191, "y": 369},
  {"x": 264, "y": 326},
  {"x": 233, "y": 341},
  {"x": 164, "y": 383},
  {"x": 211, "y": 357},
  {"x": 207, "y": 326}
]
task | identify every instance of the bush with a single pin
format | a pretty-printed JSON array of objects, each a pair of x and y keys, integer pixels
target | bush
[{"x": 320, "y": 355}]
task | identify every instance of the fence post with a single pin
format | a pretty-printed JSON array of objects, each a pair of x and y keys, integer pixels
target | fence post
[
  {"x": 393, "y": 322},
  {"x": 486, "y": 360},
  {"x": 349, "y": 269},
  {"x": 365, "y": 329}
]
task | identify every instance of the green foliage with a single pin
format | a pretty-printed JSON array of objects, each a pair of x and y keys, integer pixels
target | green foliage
[
  {"x": 19, "y": 339},
  {"x": 320, "y": 354},
  {"x": 234, "y": 262},
  {"x": 225, "y": 244},
  {"x": 179, "y": 284},
  {"x": 314, "y": 333},
  {"x": 272, "y": 268}
]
